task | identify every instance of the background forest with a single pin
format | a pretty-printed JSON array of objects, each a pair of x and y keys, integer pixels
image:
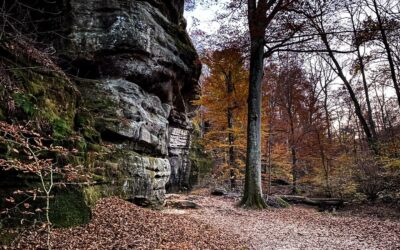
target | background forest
[{"x": 330, "y": 123}]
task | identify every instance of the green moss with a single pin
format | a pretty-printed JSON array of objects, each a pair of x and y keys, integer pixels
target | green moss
[
  {"x": 282, "y": 203},
  {"x": 60, "y": 128},
  {"x": 69, "y": 209},
  {"x": 92, "y": 195},
  {"x": 94, "y": 147},
  {"x": 2, "y": 116},
  {"x": 83, "y": 119},
  {"x": 36, "y": 87},
  {"x": 45, "y": 96},
  {"x": 25, "y": 103},
  {"x": 81, "y": 145},
  {"x": 91, "y": 135},
  {"x": 6, "y": 238},
  {"x": 76, "y": 160},
  {"x": 98, "y": 178},
  {"x": 84, "y": 123}
]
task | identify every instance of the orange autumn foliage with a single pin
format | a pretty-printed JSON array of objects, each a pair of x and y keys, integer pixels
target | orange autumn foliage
[{"x": 215, "y": 102}]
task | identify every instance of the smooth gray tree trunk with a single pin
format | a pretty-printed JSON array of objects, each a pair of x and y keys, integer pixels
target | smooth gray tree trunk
[{"x": 253, "y": 197}]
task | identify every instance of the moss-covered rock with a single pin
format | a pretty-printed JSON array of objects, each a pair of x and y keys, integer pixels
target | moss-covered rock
[
  {"x": 131, "y": 176},
  {"x": 35, "y": 89},
  {"x": 134, "y": 76},
  {"x": 25, "y": 102},
  {"x": 93, "y": 194},
  {"x": 277, "y": 202},
  {"x": 69, "y": 208},
  {"x": 282, "y": 203}
]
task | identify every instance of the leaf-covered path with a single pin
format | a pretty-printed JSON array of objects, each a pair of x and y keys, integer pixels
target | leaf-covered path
[
  {"x": 118, "y": 224},
  {"x": 298, "y": 227},
  {"x": 218, "y": 224}
]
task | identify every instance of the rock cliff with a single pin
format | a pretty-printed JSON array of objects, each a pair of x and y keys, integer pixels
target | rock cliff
[{"x": 134, "y": 72}]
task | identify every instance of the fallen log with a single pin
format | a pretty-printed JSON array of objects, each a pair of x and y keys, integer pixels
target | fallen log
[{"x": 322, "y": 203}]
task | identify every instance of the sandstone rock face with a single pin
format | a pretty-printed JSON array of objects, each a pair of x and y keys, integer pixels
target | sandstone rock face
[
  {"x": 137, "y": 122},
  {"x": 111, "y": 80},
  {"x": 179, "y": 146},
  {"x": 141, "y": 41},
  {"x": 144, "y": 118},
  {"x": 147, "y": 178},
  {"x": 142, "y": 62},
  {"x": 136, "y": 72}
]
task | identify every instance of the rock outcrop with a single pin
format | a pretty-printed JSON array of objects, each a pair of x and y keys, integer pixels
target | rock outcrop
[
  {"x": 135, "y": 72},
  {"x": 147, "y": 68}
]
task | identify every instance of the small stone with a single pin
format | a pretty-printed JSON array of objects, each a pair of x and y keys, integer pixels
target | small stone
[
  {"x": 218, "y": 191},
  {"x": 182, "y": 204}
]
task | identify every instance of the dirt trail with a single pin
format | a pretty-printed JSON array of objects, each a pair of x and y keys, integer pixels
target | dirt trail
[
  {"x": 218, "y": 224},
  {"x": 296, "y": 227}
]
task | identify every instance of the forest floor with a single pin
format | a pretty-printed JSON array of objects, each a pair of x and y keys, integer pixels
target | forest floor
[
  {"x": 301, "y": 227},
  {"x": 219, "y": 224}
]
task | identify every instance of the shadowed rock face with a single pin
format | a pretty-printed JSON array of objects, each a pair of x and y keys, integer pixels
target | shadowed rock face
[
  {"x": 137, "y": 72},
  {"x": 179, "y": 146},
  {"x": 141, "y": 41},
  {"x": 145, "y": 118},
  {"x": 150, "y": 71}
]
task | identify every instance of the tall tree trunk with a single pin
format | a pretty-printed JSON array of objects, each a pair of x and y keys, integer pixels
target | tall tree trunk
[
  {"x": 388, "y": 51},
  {"x": 294, "y": 170},
  {"x": 366, "y": 92},
  {"x": 364, "y": 78},
  {"x": 270, "y": 144},
  {"x": 258, "y": 18},
  {"x": 292, "y": 148},
  {"x": 356, "y": 104},
  {"x": 270, "y": 164},
  {"x": 381, "y": 104},
  {"x": 327, "y": 115},
  {"x": 231, "y": 137},
  {"x": 253, "y": 196},
  {"x": 325, "y": 165}
]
